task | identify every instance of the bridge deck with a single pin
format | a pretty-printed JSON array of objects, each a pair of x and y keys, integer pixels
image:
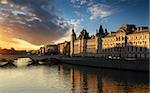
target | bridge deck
[{"x": 34, "y": 57}]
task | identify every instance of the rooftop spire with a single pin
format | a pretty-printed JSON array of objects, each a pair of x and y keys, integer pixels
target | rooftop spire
[
  {"x": 73, "y": 34},
  {"x": 73, "y": 31},
  {"x": 106, "y": 32},
  {"x": 101, "y": 31}
]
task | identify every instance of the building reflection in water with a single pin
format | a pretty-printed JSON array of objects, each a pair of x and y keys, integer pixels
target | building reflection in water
[{"x": 93, "y": 80}]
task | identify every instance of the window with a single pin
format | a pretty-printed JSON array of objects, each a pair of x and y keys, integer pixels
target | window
[
  {"x": 136, "y": 49},
  {"x": 143, "y": 42},
  {"x": 131, "y": 48},
  {"x": 128, "y": 48},
  {"x": 144, "y": 55},
  {"x": 140, "y": 42},
  {"x": 140, "y": 48},
  {"x": 135, "y": 55},
  {"x": 122, "y": 38},
  {"x": 136, "y": 37},
  {"x": 119, "y": 38}
]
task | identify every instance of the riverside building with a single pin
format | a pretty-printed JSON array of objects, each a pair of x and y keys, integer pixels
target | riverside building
[{"x": 129, "y": 41}]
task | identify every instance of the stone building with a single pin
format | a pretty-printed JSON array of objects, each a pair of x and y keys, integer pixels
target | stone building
[
  {"x": 48, "y": 50},
  {"x": 128, "y": 41},
  {"x": 64, "y": 48},
  {"x": 85, "y": 44},
  {"x": 51, "y": 49},
  {"x": 42, "y": 51}
]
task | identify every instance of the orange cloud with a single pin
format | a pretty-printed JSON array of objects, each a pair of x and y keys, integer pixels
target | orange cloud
[{"x": 19, "y": 44}]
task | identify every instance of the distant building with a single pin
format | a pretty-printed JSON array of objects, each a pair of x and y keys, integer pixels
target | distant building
[
  {"x": 42, "y": 51},
  {"x": 128, "y": 41},
  {"x": 64, "y": 48},
  {"x": 48, "y": 50},
  {"x": 33, "y": 52},
  {"x": 51, "y": 49},
  {"x": 12, "y": 51}
]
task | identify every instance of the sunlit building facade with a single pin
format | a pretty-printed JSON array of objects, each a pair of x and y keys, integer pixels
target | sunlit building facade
[
  {"x": 85, "y": 44},
  {"x": 128, "y": 41}
]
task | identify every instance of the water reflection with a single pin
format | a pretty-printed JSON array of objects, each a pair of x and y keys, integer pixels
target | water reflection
[
  {"x": 71, "y": 79},
  {"x": 21, "y": 62},
  {"x": 91, "y": 80}
]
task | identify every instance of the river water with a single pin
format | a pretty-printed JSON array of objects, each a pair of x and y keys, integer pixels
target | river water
[{"x": 71, "y": 79}]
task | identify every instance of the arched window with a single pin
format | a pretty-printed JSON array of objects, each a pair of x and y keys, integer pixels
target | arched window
[
  {"x": 122, "y": 38},
  {"x": 119, "y": 38}
]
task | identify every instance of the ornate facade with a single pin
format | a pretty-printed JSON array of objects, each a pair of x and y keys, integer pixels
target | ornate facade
[
  {"x": 85, "y": 44},
  {"x": 128, "y": 41}
]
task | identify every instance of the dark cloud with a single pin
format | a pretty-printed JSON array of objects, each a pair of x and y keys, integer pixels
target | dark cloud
[{"x": 33, "y": 20}]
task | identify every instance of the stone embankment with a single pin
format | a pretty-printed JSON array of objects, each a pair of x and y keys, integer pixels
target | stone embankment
[{"x": 135, "y": 65}]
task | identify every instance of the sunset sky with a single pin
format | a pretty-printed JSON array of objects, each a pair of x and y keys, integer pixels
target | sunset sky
[{"x": 29, "y": 24}]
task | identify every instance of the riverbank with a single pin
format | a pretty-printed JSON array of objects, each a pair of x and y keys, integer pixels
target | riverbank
[{"x": 134, "y": 65}]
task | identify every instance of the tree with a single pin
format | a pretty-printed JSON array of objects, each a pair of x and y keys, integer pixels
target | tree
[{"x": 13, "y": 49}]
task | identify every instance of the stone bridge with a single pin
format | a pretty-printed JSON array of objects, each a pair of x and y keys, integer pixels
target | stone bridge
[{"x": 34, "y": 57}]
